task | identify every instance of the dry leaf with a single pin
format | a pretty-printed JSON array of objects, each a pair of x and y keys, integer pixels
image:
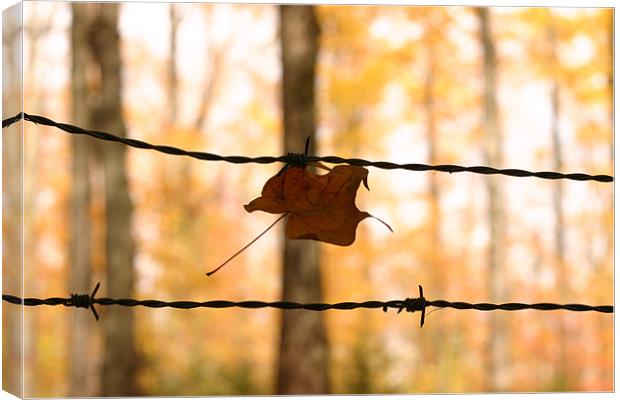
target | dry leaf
[{"x": 320, "y": 207}]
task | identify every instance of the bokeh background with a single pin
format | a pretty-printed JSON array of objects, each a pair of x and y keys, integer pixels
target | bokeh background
[{"x": 403, "y": 84}]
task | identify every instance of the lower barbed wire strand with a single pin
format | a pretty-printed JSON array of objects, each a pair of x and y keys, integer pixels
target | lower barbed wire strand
[
  {"x": 38, "y": 119},
  {"x": 253, "y": 304}
]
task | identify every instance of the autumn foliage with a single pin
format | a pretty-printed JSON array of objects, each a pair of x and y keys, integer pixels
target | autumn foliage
[{"x": 401, "y": 84}]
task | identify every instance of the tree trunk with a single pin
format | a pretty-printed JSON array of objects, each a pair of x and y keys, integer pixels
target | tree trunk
[
  {"x": 216, "y": 54},
  {"x": 120, "y": 359},
  {"x": 12, "y": 205},
  {"x": 80, "y": 370},
  {"x": 431, "y": 137},
  {"x": 172, "y": 65},
  {"x": 498, "y": 361},
  {"x": 432, "y": 353},
  {"x": 603, "y": 325},
  {"x": 562, "y": 379},
  {"x": 304, "y": 357}
]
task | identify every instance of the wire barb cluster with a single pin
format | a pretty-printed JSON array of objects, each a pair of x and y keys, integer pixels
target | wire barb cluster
[
  {"x": 37, "y": 119},
  {"x": 83, "y": 301},
  {"x": 410, "y": 305}
]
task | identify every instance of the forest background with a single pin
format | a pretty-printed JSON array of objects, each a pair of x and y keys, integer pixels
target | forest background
[{"x": 528, "y": 88}]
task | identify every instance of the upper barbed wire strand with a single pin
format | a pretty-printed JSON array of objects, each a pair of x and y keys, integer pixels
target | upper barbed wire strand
[{"x": 37, "y": 119}]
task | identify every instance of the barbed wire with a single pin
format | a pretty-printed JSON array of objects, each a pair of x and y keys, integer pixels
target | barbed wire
[
  {"x": 37, "y": 119},
  {"x": 410, "y": 304}
]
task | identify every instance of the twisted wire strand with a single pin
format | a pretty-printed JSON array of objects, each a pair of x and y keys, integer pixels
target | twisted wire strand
[
  {"x": 409, "y": 304},
  {"x": 37, "y": 119},
  {"x": 459, "y": 305},
  {"x": 186, "y": 305},
  {"x": 290, "y": 305}
]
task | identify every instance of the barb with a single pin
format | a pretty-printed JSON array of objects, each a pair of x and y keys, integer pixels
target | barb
[
  {"x": 409, "y": 305},
  {"x": 37, "y": 119},
  {"x": 85, "y": 301}
]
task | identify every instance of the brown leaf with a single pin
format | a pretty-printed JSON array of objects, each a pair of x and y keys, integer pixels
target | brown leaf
[{"x": 320, "y": 207}]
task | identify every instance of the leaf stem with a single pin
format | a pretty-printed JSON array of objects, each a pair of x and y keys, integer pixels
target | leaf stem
[
  {"x": 247, "y": 245},
  {"x": 382, "y": 221}
]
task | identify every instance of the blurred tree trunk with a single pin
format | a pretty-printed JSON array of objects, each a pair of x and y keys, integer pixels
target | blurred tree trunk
[
  {"x": 431, "y": 137},
  {"x": 304, "y": 358},
  {"x": 433, "y": 353},
  {"x": 216, "y": 57},
  {"x": 34, "y": 31},
  {"x": 80, "y": 369},
  {"x": 605, "y": 326},
  {"x": 120, "y": 360},
  {"x": 498, "y": 362},
  {"x": 172, "y": 80},
  {"x": 38, "y": 27},
  {"x": 562, "y": 379}
]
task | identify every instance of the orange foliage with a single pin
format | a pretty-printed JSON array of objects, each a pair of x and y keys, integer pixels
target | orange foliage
[{"x": 371, "y": 90}]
